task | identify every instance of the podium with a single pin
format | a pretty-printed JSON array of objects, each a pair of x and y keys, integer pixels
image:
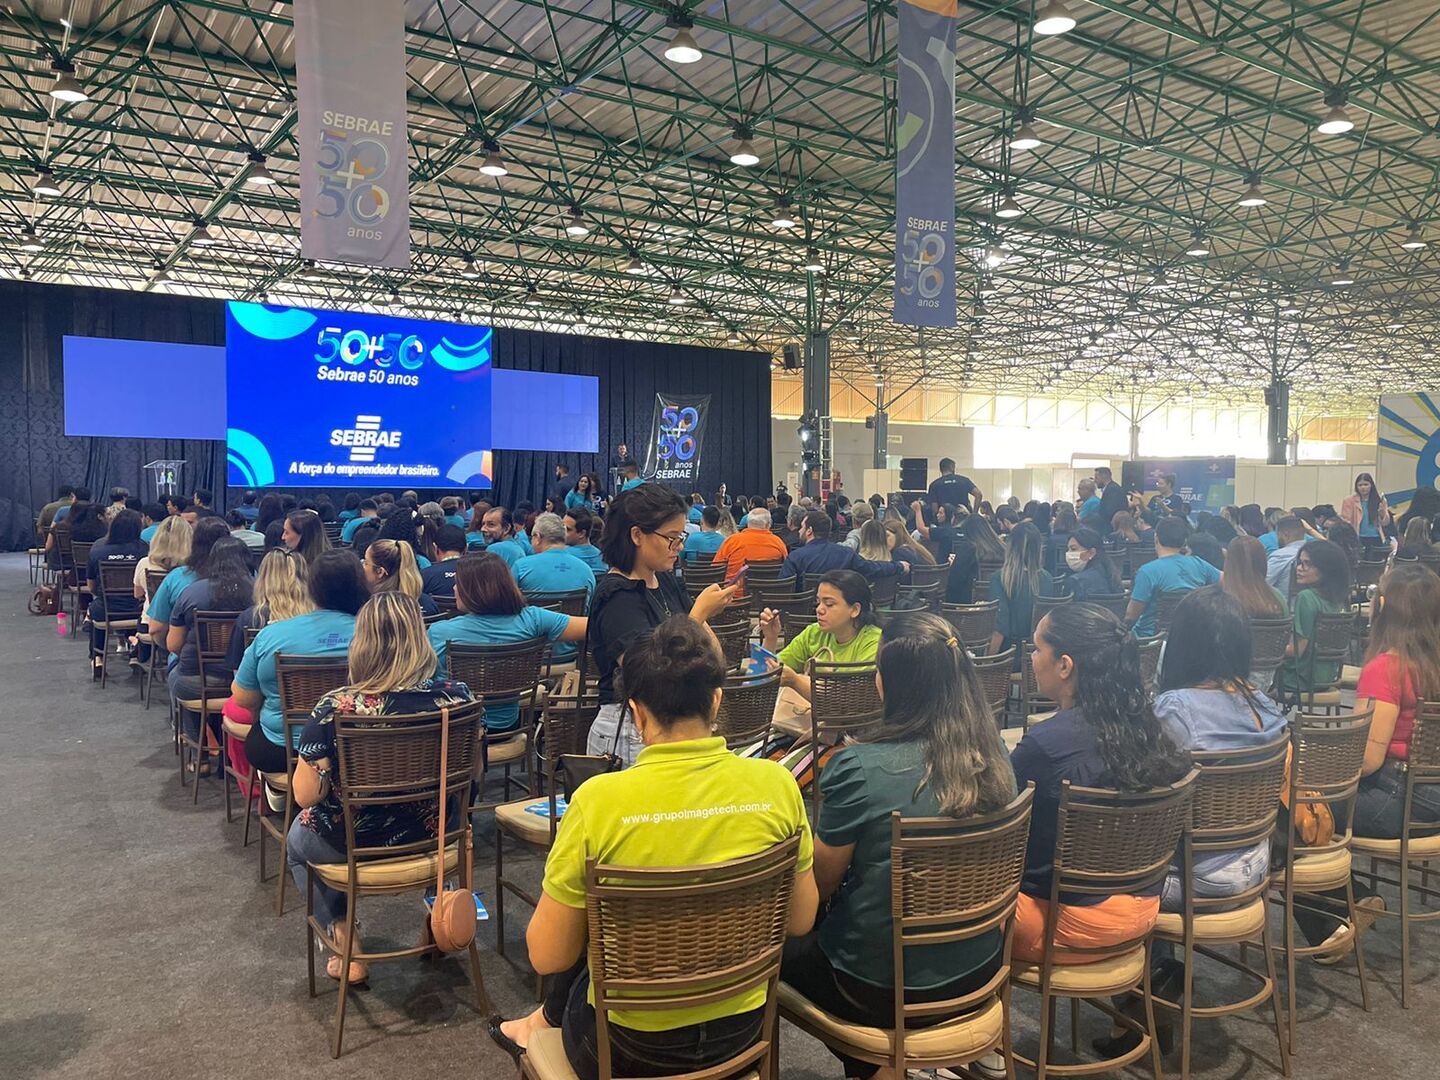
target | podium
[{"x": 166, "y": 474}]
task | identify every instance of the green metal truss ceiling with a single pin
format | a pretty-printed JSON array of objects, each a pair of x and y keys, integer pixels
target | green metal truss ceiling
[{"x": 1155, "y": 114}]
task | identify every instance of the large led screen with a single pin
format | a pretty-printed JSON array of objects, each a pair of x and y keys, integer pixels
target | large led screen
[{"x": 326, "y": 398}]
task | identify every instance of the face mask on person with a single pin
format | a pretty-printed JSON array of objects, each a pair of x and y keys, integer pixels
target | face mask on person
[{"x": 1075, "y": 560}]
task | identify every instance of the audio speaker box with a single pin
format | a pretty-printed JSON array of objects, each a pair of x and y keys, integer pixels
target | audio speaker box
[{"x": 791, "y": 353}]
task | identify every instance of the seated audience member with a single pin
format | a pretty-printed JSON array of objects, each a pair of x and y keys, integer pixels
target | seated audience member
[
  {"x": 630, "y": 477},
  {"x": 701, "y": 546},
  {"x": 903, "y": 550},
  {"x": 1416, "y": 542},
  {"x": 1058, "y": 542},
  {"x": 818, "y": 555},
  {"x": 673, "y": 676},
  {"x": 1337, "y": 532},
  {"x": 1252, "y": 521},
  {"x": 845, "y": 629},
  {"x": 697, "y": 508},
  {"x": 477, "y": 501},
  {"x": 431, "y": 513},
  {"x": 643, "y": 532},
  {"x": 350, "y": 508},
  {"x": 407, "y": 525},
  {"x": 1088, "y": 510},
  {"x": 1105, "y": 735},
  {"x": 787, "y": 526},
  {"x": 337, "y": 591},
  {"x": 225, "y": 585},
  {"x": 169, "y": 548},
  {"x": 1125, "y": 530},
  {"x": 391, "y": 674},
  {"x": 863, "y": 512},
  {"x": 203, "y": 537},
  {"x": 120, "y": 545},
  {"x": 981, "y": 532},
  {"x": 937, "y": 753},
  {"x": 753, "y": 543},
  {"x": 1244, "y": 579},
  {"x": 1402, "y": 669},
  {"x": 390, "y": 567},
  {"x": 438, "y": 578},
  {"x": 271, "y": 519},
  {"x": 584, "y": 495},
  {"x": 64, "y": 496},
  {"x": 1017, "y": 583},
  {"x": 1171, "y": 571},
  {"x": 941, "y": 532},
  {"x": 365, "y": 510},
  {"x": 874, "y": 542},
  {"x": 151, "y": 517},
  {"x": 1322, "y": 585},
  {"x": 552, "y": 569},
  {"x": 78, "y": 496},
  {"x": 580, "y": 524},
  {"x": 88, "y": 522},
  {"x": 241, "y": 531},
  {"x": 450, "y": 506},
  {"x": 281, "y": 591},
  {"x": 116, "y": 503},
  {"x": 1290, "y": 536},
  {"x": 501, "y": 541},
  {"x": 493, "y": 612},
  {"x": 1091, "y": 571},
  {"x": 304, "y": 533},
  {"x": 1204, "y": 545}
]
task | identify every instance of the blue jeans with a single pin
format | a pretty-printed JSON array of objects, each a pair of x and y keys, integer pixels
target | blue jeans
[
  {"x": 303, "y": 845},
  {"x": 1218, "y": 875}
]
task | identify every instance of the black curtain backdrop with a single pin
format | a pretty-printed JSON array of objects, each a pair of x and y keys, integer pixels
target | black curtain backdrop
[{"x": 36, "y": 456}]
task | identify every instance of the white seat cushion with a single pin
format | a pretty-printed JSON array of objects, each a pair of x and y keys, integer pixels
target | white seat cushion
[
  {"x": 962, "y": 1038},
  {"x": 408, "y": 870},
  {"x": 519, "y": 823},
  {"x": 509, "y": 750},
  {"x": 1326, "y": 870},
  {"x": 1419, "y": 846},
  {"x": 1215, "y": 926},
  {"x": 1107, "y": 976}
]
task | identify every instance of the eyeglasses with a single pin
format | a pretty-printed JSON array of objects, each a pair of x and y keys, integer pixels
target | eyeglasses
[
  {"x": 1304, "y": 564},
  {"x": 675, "y": 540}
]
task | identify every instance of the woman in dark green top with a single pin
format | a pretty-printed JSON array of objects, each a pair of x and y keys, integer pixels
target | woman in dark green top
[
  {"x": 1322, "y": 585},
  {"x": 1016, "y": 585},
  {"x": 938, "y": 753}
]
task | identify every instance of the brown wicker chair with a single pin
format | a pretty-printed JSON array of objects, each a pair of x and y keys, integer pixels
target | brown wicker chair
[
  {"x": 700, "y": 576},
  {"x": 1032, "y": 702},
  {"x": 379, "y": 759},
  {"x": 303, "y": 681},
  {"x": 883, "y": 590},
  {"x": 1150, "y": 650},
  {"x": 1327, "y": 754},
  {"x": 1108, "y": 843},
  {"x": 1271, "y": 637},
  {"x": 79, "y": 559},
  {"x": 1330, "y": 645},
  {"x": 952, "y": 881},
  {"x": 763, "y": 572},
  {"x": 734, "y": 638},
  {"x": 1419, "y": 842},
  {"x": 1137, "y": 554},
  {"x": 763, "y": 594},
  {"x": 213, "y": 630},
  {"x": 158, "y": 652},
  {"x": 843, "y": 701},
  {"x": 117, "y": 587},
  {"x": 565, "y": 722},
  {"x": 747, "y": 704},
  {"x": 723, "y": 933},
  {"x": 973, "y": 623},
  {"x": 1118, "y": 602},
  {"x": 1042, "y": 606},
  {"x": 1368, "y": 572},
  {"x": 994, "y": 674},
  {"x": 504, "y": 675},
  {"x": 1163, "y": 608},
  {"x": 987, "y": 569},
  {"x": 1236, "y": 805},
  {"x": 575, "y": 604},
  {"x": 920, "y": 597}
]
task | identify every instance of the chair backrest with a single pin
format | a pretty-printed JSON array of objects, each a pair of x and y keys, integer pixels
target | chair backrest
[
  {"x": 1150, "y": 649},
  {"x": 843, "y": 698},
  {"x": 1163, "y": 608},
  {"x": 500, "y": 674},
  {"x": 1271, "y": 637},
  {"x": 332, "y": 530},
  {"x": 1423, "y": 764},
  {"x": 303, "y": 681},
  {"x": 765, "y": 593},
  {"x": 924, "y": 597},
  {"x": 80, "y": 557},
  {"x": 763, "y": 570},
  {"x": 953, "y": 879},
  {"x": 448, "y": 606},
  {"x": 1327, "y": 754},
  {"x": 883, "y": 590},
  {"x": 387, "y": 760},
  {"x": 153, "y": 578},
  {"x": 251, "y": 633},
  {"x": 213, "y": 631},
  {"x": 1237, "y": 796},
  {"x": 1032, "y": 701},
  {"x": 926, "y": 574},
  {"x": 572, "y": 603},
  {"x": 973, "y": 623},
  {"x": 1368, "y": 572},
  {"x": 1138, "y": 553},
  {"x": 734, "y": 638},
  {"x": 1331, "y": 643},
  {"x": 994, "y": 675},
  {"x": 670, "y": 938},
  {"x": 117, "y": 582},
  {"x": 702, "y": 574},
  {"x": 747, "y": 706},
  {"x": 1042, "y": 606},
  {"x": 1118, "y": 602}
]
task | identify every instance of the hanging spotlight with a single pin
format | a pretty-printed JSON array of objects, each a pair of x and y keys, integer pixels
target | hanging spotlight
[
  {"x": 1342, "y": 275},
  {"x": 1159, "y": 280},
  {"x": 1053, "y": 17},
  {"x": 30, "y": 240},
  {"x": 636, "y": 267},
  {"x": 783, "y": 218},
  {"x": 468, "y": 270},
  {"x": 66, "y": 88},
  {"x": 1008, "y": 207},
  {"x": 683, "y": 48},
  {"x": 677, "y": 298},
  {"x": 812, "y": 264},
  {"x": 1413, "y": 240},
  {"x": 733, "y": 337},
  {"x": 1198, "y": 244},
  {"x": 45, "y": 184},
  {"x": 1337, "y": 120},
  {"x": 396, "y": 300},
  {"x": 162, "y": 276},
  {"x": 744, "y": 152},
  {"x": 532, "y": 295},
  {"x": 494, "y": 164},
  {"x": 257, "y": 174},
  {"x": 1253, "y": 195},
  {"x": 202, "y": 235},
  {"x": 309, "y": 271},
  {"x": 1024, "y": 137},
  {"x": 996, "y": 256},
  {"x": 576, "y": 225},
  {"x": 1290, "y": 306}
]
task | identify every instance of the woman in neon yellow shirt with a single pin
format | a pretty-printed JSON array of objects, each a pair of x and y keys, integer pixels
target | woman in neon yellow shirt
[{"x": 845, "y": 629}]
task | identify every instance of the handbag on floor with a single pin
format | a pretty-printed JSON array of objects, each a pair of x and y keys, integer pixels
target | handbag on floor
[
  {"x": 452, "y": 918},
  {"x": 44, "y": 601}
]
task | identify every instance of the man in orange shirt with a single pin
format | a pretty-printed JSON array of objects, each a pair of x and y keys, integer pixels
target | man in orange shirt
[{"x": 754, "y": 543}]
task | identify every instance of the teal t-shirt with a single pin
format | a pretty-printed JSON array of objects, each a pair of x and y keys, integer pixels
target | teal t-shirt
[
  {"x": 176, "y": 582},
  {"x": 316, "y": 633},
  {"x": 512, "y": 551},
  {"x": 629, "y": 484},
  {"x": 862, "y": 785},
  {"x": 531, "y": 623},
  {"x": 148, "y": 533},
  {"x": 590, "y": 555},
  {"x": 347, "y": 533},
  {"x": 701, "y": 543},
  {"x": 554, "y": 571},
  {"x": 1173, "y": 573},
  {"x": 456, "y": 520}
]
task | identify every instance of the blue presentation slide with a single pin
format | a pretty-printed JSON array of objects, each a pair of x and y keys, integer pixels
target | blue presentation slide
[
  {"x": 326, "y": 399},
  {"x": 125, "y": 389}
]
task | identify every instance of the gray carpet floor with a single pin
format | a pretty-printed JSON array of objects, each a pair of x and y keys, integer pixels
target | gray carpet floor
[{"x": 139, "y": 942}]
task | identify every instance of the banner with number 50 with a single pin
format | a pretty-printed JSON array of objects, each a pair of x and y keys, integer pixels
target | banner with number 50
[
  {"x": 354, "y": 156},
  {"x": 673, "y": 456},
  {"x": 925, "y": 165}
]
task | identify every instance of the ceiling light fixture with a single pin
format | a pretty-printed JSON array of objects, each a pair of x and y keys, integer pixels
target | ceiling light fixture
[
  {"x": 1413, "y": 240},
  {"x": 201, "y": 234},
  {"x": 1342, "y": 275},
  {"x": 494, "y": 163},
  {"x": 66, "y": 87},
  {"x": 1024, "y": 136},
  {"x": 812, "y": 264},
  {"x": 677, "y": 298},
  {"x": 995, "y": 256},
  {"x": 1290, "y": 307},
  {"x": 309, "y": 271},
  {"x": 1008, "y": 207},
  {"x": 30, "y": 240},
  {"x": 162, "y": 276},
  {"x": 1198, "y": 245},
  {"x": 396, "y": 300},
  {"x": 744, "y": 152},
  {"x": 532, "y": 295},
  {"x": 45, "y": 184},
  {"x": 1159, "y": 280},
  {"x": 1337, "y": 120},
  {"x": 1253, "y": 195},
  {"x": 468, "y": 270},
  {"x": 257, "y": 175},
  {"x": 576, "y": 225},
  {"x": 683, "y": 48},
  {"x": 783, "y": 218},
  {"x": 1053, "y": 17},
  {"x": 636, "y": 266}
]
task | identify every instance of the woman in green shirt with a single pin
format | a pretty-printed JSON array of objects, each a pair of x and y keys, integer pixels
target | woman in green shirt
[
  {"x": 845, "y": 629},
  {"x": 937, "y": 753},
  {"x": 1322, "y": 585}
]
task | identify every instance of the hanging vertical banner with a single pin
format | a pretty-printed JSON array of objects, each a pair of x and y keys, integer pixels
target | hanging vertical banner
[
  {"x": 925, "y": 164},
  {"x": 673, "y": 456},
  {"x": 354, "y": 155}
]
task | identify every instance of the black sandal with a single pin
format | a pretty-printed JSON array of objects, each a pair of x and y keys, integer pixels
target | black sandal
[{"x": 509, "y": 1045}]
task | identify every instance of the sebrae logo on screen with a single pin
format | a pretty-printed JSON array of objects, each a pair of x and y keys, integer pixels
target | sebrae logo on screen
[{"x": 365, "y": 438}]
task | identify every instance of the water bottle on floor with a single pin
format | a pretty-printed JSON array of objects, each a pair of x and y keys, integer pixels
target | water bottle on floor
[{"x": 61, "y": 624}]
